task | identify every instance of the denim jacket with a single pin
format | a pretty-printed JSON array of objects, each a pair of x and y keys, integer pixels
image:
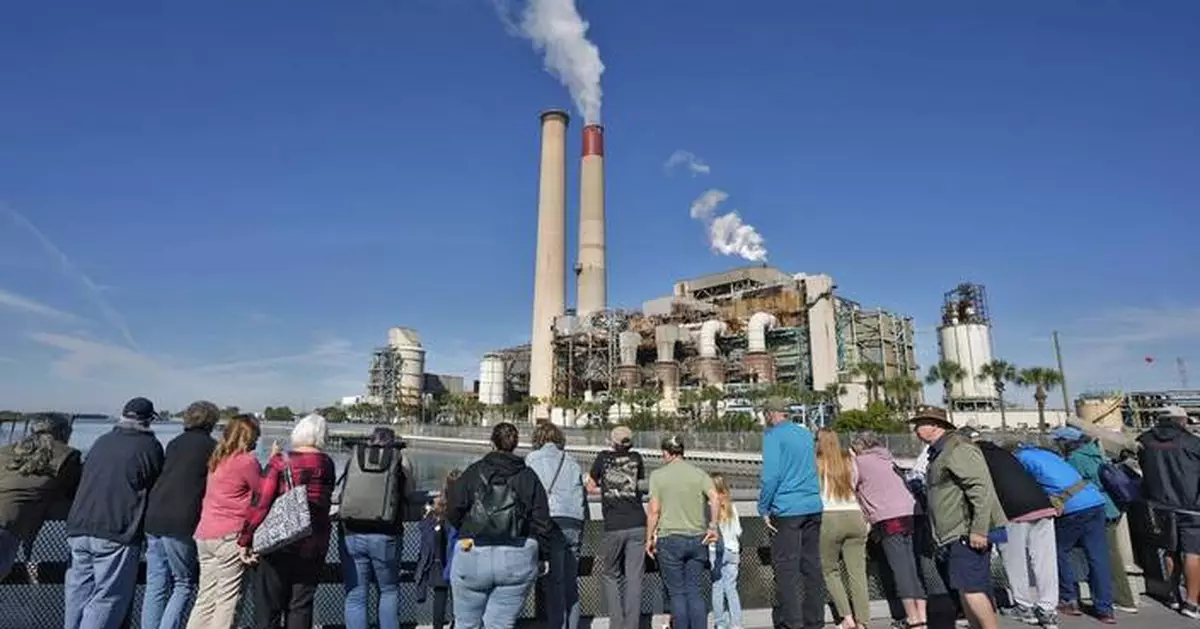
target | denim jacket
[{"x": 566, "y": 495}]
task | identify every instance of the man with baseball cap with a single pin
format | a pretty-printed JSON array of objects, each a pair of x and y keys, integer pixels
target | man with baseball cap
[
  {"x": 105, "y": 529},
  {"x": 789, "y": 501},
  {"x": 963, "y": 511},
  {"x": 617, "y": 475},
  {"x": 1170, "y": 462}
]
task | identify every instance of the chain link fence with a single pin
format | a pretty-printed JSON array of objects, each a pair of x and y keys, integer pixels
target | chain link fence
[{"x": 32, "y": 596}]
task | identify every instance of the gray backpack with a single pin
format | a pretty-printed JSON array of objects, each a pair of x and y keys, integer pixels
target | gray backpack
[{"x": 373, "y": 486}]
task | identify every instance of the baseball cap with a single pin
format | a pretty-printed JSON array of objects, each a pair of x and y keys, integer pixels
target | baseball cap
[
  {"x": 141, "y": 409},
  {"x": 621, "y": 436},
  {"x": 1067, "y": 433}
]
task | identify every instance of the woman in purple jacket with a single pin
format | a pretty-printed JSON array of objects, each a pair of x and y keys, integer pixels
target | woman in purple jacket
[{"x": 888, "y": 506}]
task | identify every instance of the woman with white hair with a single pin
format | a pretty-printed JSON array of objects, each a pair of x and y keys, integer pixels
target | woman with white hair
[{"x": 285, "y": 581}]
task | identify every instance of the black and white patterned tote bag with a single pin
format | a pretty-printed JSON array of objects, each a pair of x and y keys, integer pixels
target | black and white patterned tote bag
[{"x": 288, "y": 521}]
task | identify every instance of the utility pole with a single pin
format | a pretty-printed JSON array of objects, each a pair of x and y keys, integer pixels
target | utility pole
[
  {"x": 1062, "y": 374},
  {"x": 1183, "y": 374}
]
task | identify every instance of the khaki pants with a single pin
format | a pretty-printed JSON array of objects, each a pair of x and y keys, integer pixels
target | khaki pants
[
  {"x": 1122, "y": 592},
  {"x": 220, "y": 593}
]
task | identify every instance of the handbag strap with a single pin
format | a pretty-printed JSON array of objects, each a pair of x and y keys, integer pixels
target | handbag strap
[
  {"x": 557, "y": 471},
  {"x": 287, "y": 471}
]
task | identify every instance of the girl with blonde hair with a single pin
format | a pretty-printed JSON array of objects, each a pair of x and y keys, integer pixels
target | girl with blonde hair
[
  {"x": 725, "y": 556},
  {"x": 843, "y": 532}
]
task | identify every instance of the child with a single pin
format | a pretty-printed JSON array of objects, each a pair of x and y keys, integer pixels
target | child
[
  {"x": 438, "y": 540},
  {"x": 725, "y": 557}
]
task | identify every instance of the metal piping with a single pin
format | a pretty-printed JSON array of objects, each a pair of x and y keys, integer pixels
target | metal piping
[
  {"x": 756, "y": 338},
  {"x": 708, "y": 337}
]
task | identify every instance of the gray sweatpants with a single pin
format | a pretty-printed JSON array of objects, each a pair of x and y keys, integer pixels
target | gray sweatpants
[
  {"x": 623, "y": 557},
  {"x": 1031, "y": 560}
]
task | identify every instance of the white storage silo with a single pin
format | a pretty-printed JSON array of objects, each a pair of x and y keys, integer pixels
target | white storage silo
[
  {"x": 965, "y": 338},
  {"x": 407, "y": 345},
  {"x": 491, "y": 380}
]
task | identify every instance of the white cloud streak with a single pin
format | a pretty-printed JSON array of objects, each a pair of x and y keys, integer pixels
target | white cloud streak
[
  {"x": 92, "y": 290},
  {"x": 13, "y": 301},
  {"x": 687, "y": 160}
]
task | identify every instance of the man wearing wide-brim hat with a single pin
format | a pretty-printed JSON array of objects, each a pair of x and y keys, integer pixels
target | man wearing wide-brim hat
[{"x": 963, "y": 511}]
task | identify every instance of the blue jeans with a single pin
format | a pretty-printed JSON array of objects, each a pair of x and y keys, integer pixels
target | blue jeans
[
  {"x": 1084, "y": 528},
  {"x": 100, "y": 583},
  {"x": 367, "y": 558},
  {"x": 172, "y": 573},
  {"x": 725, "y": 590},
  {"x": 9, "y": 545},
  {"x": 681, "y": 560},
  {"x": 561, "y": 585},
  {"x": 490, "y": 583}
]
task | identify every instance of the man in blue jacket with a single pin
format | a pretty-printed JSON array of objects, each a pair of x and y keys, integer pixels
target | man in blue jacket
[
  {"x": 1081, "y": 523},
  {"x": 105, "y": 529},
  {"x": 789, "y": 501}
]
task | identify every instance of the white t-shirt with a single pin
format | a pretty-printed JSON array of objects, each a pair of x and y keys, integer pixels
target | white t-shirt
[
  {"x": 849, "y": 504},
  {"x": 731, "y": 531}
]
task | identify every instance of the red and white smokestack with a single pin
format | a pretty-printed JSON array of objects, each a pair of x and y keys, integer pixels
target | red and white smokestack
[
  {"x": 550, "y": 267},
  {"x": 592, "y": 288}
]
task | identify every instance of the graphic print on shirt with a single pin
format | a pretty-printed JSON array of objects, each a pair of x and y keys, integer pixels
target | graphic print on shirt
[{"x": 620, "y": 478}]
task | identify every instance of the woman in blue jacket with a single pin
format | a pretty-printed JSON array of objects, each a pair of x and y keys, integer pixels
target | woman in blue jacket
[
  {"x": 1085, "y": 455},
  {"x": 1080, "y": 523}
]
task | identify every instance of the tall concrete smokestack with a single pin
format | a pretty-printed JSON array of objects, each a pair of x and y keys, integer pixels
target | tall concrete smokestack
[
  {"x": 592, "y": 289},
  {"x": 550, "y": 268}
]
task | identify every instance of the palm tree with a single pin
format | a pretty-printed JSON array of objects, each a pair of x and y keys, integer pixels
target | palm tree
[
  {"x": 872, "y": 374},
  {"x": 1000, "y": 372},
  {"x": 1043, "y": 380},
  {"x": 948, "y": 373},
  {"x": 902, "y": 391}
]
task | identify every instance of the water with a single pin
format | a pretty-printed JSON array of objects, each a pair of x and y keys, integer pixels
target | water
[{"x": 430, "y": 467}]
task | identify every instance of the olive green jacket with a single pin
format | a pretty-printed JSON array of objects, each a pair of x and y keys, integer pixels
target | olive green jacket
[{"x": 962, "y": 499}]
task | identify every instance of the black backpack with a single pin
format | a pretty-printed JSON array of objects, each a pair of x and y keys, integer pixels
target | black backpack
[
  {"x": 497, "y": 514},
  {"x": 373, "y": 490}
]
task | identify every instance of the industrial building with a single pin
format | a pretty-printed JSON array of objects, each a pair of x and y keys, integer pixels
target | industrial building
[
  {"x": 965, "y": 338},
  {"x": 748, "y": 326},
  {"x": 397, "y": 380}
]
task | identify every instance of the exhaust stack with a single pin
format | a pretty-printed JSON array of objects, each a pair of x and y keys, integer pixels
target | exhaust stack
[
  {"x": 550, "y": 266},
  {"x": 592, "y": 289}
]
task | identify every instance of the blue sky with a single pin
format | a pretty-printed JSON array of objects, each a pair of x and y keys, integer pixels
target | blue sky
[{"x": 234, "y": 200}]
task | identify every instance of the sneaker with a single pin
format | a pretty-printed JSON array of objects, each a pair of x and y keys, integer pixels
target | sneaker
[
  {"x": 1069, "y": 609},
  {"x": 1126, "y": 609},
  {"x": 1048, "y": 620},
  {"x": 1021, "y": 613},
  {"x": 1191, "y": 610},
  {"x": 1107, "y": 619}
]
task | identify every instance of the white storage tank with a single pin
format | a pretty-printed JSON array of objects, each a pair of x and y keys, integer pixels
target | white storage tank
[
  {"x": 407, "y": 344},
  {"x": 491, "y": 380},
  {"x": 969, "y": 345}
]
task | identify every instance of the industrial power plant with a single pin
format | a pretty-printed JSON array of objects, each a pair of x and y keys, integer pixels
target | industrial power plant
[{"x": 747, "y": 326}]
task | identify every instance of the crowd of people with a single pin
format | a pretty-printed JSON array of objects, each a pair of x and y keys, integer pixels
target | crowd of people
[{"x": 216, "y": 525}]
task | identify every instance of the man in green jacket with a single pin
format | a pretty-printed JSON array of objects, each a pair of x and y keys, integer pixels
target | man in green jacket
[
  {"x": 963, "y": 511},
  {"x": 1084, "y": 454}
]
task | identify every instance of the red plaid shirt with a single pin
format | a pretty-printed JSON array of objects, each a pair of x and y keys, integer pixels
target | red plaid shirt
[{"x": 312, "y": 469}]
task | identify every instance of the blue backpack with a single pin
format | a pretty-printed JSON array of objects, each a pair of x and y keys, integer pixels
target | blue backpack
[{"x": 1121, "y": 483}]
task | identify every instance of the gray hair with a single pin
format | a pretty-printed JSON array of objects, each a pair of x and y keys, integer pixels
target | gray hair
[
  {"x": 310, "y": 432},
  {"x": 865, "y": 440}
]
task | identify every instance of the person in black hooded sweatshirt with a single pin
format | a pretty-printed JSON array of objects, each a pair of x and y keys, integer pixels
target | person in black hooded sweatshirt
[
  {"x": 1170, "y": 462},
  {"x": 172, "y": 564},
  {"x": 504, "y": 530}
]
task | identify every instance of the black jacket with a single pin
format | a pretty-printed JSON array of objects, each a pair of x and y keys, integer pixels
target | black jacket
[
  {"x": 118, "y": 473},
  {"x": 1170, "y": 462},
  {"x": 1018, "y": 491},
  {"x": 528, "y": 489},
  {"x": 26, "y": 502},
  {"x": 174, "y": 509}
]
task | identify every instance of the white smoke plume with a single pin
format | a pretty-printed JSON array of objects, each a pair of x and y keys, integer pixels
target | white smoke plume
[
  {"x": 727, "y": 234},
  {"x": 558, "y": 32},
  {"x": 688, "y": 160}
]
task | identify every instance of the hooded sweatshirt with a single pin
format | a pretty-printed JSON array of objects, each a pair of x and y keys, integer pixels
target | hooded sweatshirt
[
  {"x": 1056, "y": 477},
  {"x": 881, "y": 491},
  {"x": 1087, "y": 459},
  {"x": 1170, "y": 462},
  {"x": 527, "y": 487}
]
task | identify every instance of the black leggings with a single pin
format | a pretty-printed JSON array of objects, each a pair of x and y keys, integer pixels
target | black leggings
[
  {"x": 285, "y": 585},
  {"x": 441, "y": 596}
]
